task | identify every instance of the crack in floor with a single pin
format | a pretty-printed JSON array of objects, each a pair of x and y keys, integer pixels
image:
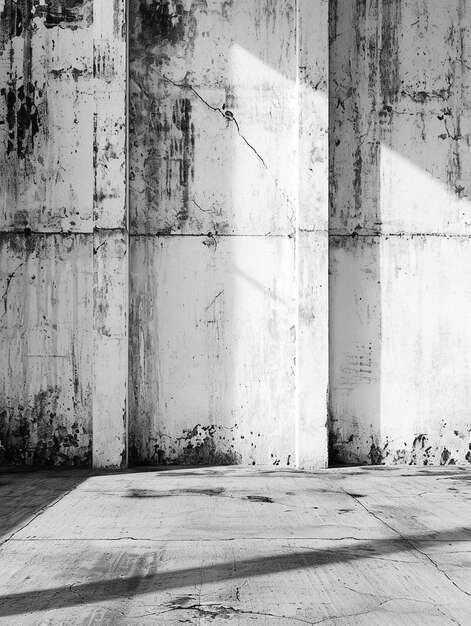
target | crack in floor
[
  {"x": 216, "y": 609},
  {"x": 408, "y": 542}
]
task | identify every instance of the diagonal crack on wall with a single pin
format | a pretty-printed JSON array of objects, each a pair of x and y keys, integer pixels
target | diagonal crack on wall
[
  {"x": 227, "y": 115},
  {"x": 7, "y": 287}
]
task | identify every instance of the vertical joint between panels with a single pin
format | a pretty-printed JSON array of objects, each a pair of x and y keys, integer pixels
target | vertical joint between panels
[
  {"x": 127, "y": 221},
  {"x": 296, "y": 234}
]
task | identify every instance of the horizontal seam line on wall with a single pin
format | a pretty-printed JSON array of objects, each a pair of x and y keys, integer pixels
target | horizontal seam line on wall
[
  {"x": 221, "y": 235},
  {"x": 63, "y": 233},
  {"x": 400, "y": 234}
]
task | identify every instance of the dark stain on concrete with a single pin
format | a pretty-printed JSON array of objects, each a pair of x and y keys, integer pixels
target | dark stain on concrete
[
  {"x": 201, "y": 445},
  {"x": 162, "y": 21},
  {"x": 182, "y": 149},
  {"x": 376, "y": 454},
  {"x": 389, "y": 65},
  {"x": 22, "y": 118},
  {"x": 65, "y": 13},
  {"x": 260, "y": 499},
  {"x": 16, "y": 19},
  {"x": 149, "y": 493},
  {"x": 34, "y": 434},
  {"x": 206, "y": 452},
  {"x": 445, "y": 457}
]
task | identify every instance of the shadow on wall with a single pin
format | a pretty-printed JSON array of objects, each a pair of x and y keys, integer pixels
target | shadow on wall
[
  {"x": 213, "y": 180},
  {"x": 400, "y": 221}
]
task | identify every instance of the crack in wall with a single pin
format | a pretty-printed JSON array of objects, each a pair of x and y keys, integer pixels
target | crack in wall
[
  {"x": 226, "y": 114},
  {"x": 7, "y": 287}
]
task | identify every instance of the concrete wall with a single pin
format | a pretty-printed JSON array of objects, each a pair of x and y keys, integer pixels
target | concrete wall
[
  {"x": 400, "y": 224},
  {"x": 228, "y": 227},
  {"x": 228, "y": 232},
  {"x": 62, "y": 214},
  {"x": 228, "y": 220}
]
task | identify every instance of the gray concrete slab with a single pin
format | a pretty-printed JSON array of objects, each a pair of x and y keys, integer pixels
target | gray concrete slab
[{"x": 363, "y": 546}]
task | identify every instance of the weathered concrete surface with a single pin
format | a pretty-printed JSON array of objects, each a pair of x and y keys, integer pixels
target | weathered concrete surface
[
  {"x": 400, "y": 226},
  {"x": 213, "y": 375},
  {"x": 62, "y": 178},
  {"x": 311, "y": 263},
  {"x": 217, "y": 182},
  {"x": 46, "y": 110},
  {"x": 46, "y": 183},
  {"x": 45, "y": 321},
  {"x": 352, "y": 547},
  {"x": 110, "y": 238}
]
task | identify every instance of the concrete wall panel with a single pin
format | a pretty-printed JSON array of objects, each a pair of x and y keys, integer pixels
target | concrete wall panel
[
  {"x": 355, "y": 345},
  {"x": 228, "y": 164},
  {"x": 110, "y": 236},
  {"x": 400, "y": 217},
  {"x": 46, "y": 358},
  {"x": 400, "y": 342},
  {"x": 312, "y": 235},
  {"x": 212, "y": 350},
  {"x": 213, "y": 117},
  {"x": 426, "y": 347},
  {"x": 46, "y": 134},
  {"x": 62, "y": 181}
]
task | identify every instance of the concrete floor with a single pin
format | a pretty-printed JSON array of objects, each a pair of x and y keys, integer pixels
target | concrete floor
[{"x": 353, "y": 546}]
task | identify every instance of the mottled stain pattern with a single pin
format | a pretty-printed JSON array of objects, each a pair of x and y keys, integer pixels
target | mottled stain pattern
[
  {"x": 63, "y": 13},
  {"x": 212, "y": 184},
  {"x": 191, "y": 107},
  {"x": 443, "y": 448},
  {"x": 62, "y": 219},
  {"x": 400, "y": 215},
  {"x": 46, "y": 135},
  {"x": 45, "y": 394},
  {"x": 39, "y": 434},
  {"x": 22, "y": 118},
  {"x": 201, "y": 445},
  {"x": 169, "y": 163},
  {"x": 18, "y": 16},
  {"x": 164, "y": 22},
  {"x": 46, "y": 104}
]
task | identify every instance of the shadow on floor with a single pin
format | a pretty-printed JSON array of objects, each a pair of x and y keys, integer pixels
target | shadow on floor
[
  {"x": 26, "y": 491},
  {"x": 115, "y": 588}
]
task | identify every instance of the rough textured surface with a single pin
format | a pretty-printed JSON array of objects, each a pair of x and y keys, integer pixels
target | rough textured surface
[
  {"x": 400, "y": 225},
  {"x": 228, "y": 150},
  {"x": 62, "y": 178},
  {"x": 362, "y": 547},
  {"x": 46, "y": 110},
  {"x": 45, "y": 319},
  {"x": 110, "y": 237},
  {"x": 219, "y": 99}
]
